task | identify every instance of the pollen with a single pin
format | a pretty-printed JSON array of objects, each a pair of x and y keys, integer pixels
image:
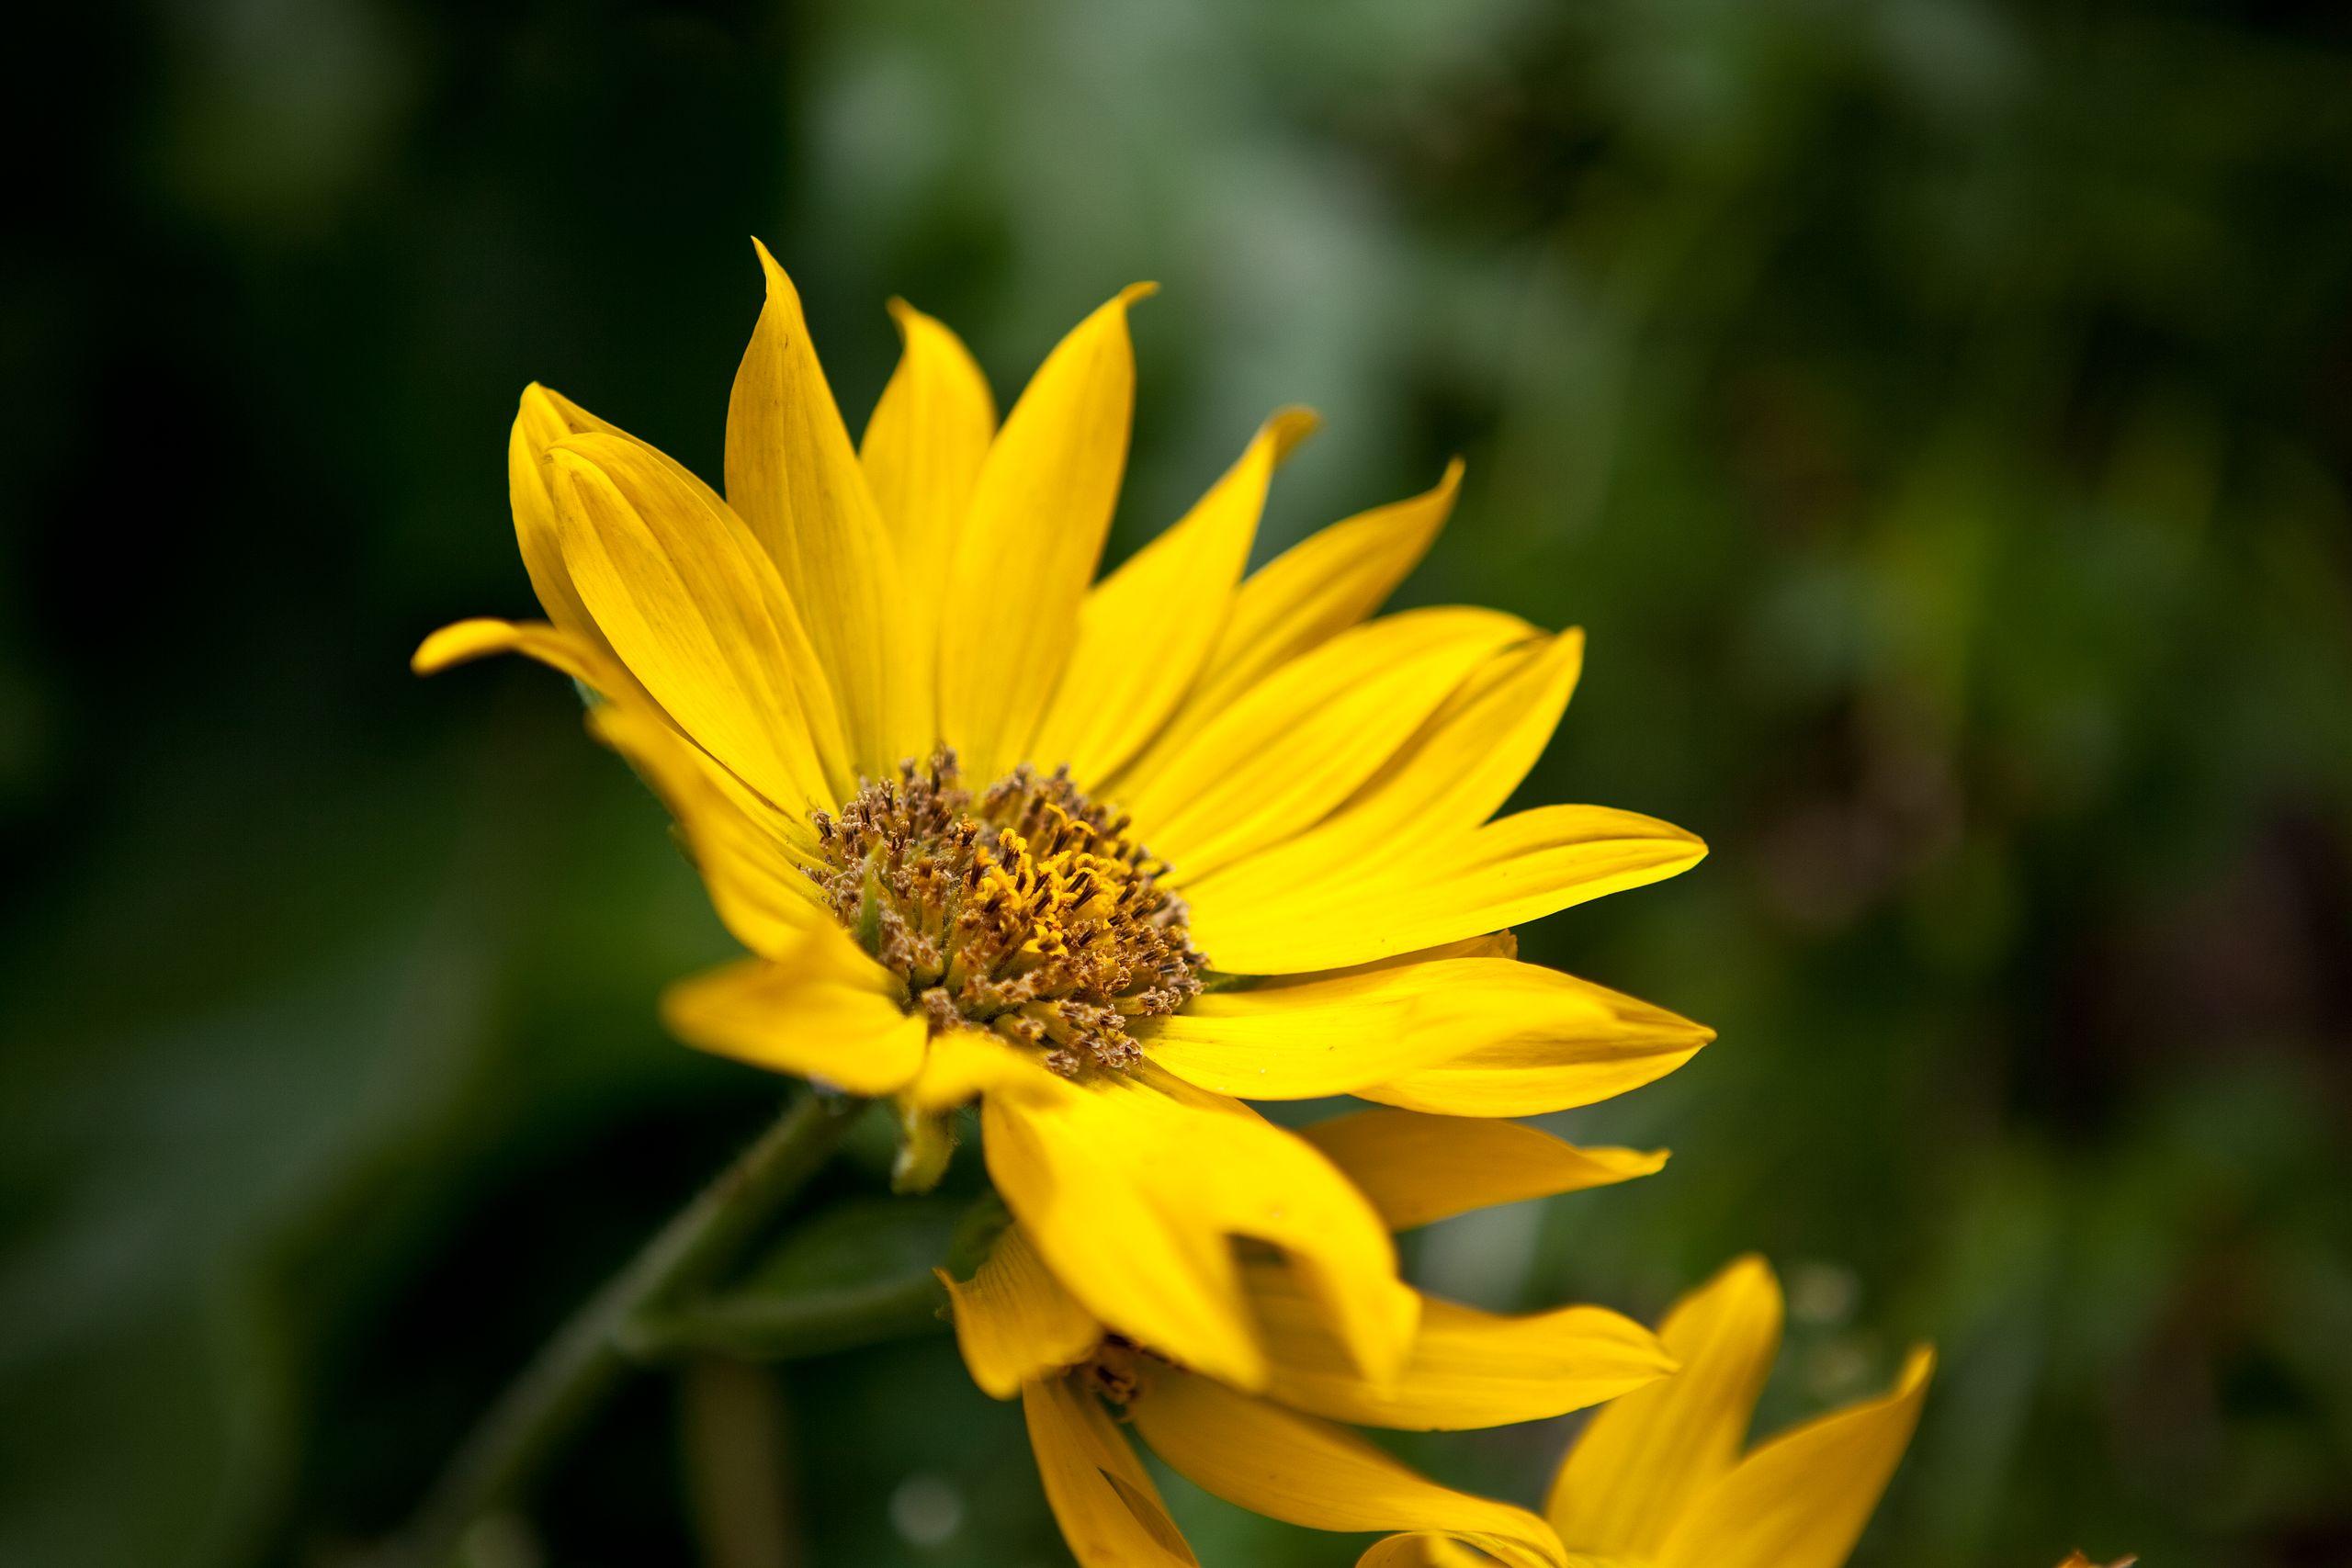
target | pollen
[{"x": 1026, "y": 910}]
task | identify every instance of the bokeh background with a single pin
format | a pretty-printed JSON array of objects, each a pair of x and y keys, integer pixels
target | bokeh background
[{"x": 1935, "y": 410}]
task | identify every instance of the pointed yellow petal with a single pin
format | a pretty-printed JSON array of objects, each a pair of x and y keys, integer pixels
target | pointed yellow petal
[
  {"x": 694, "y": 609},
  {"x": 1308, "y": 1473},
  {"x": 1429, "y": 1027},
  {"x": 1301, "y": 742},
  {"x": 921, "y": 455},
  {"x": 1458, "y": 770},
  {"x": 1594, "y": 1044},
  {"x": 1014, "y": 1321},
  {"x": 1174, "y": 1181},
  {"x": 1645, "y": 1457},
  {"x": 751, "y": 856},
  {"x": 824, "y": 1010},
  {"x": 1028, "y": 545},
  {"x": 1312, "y": 591},
  {"x": 1110, "y": 1512},
  {"x": 543, "y": 419},
  {"x": 1801, "y": 1500},
  {"x": 1254, "y": 919},
  {"x": 1469, "y": 1367},
  {"x": 1419, "y": 1169},
  {"x": 794, "y": 479},
  {"x": 1145, "y": 630}
]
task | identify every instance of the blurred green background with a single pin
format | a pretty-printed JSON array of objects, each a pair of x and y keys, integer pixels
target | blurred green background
[{"x": 1935, "y": 410}]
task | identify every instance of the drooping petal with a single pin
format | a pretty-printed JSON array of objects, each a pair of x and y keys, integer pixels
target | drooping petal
[
  {"x": 1801, "y": 1500},
  {"x": 1133, "y": 1197},
  {"x": 694, "y": 609},
  {"x": 1601, "y": 1044},
  {"x": 824, "y": 1010},
  {"x": 1102, "y": 1497},
  {"x": 1307, "y": 1472},
  {"x": 1645, "y": 1457},
  {"x": 751, "y": 856},
  {"x": 1298, "y": 743},
  {"x": 794, "y": 479},
  {"x": 1467, "y": 1369},
  {"x": 589, "y": 662},
  {"x": 1419, "y": 1169},
  {"x": 962, "y": 1064},
  {"x": 1029, "y": 542},
  {"x": 1255, "y": 918},
  {"x": 1312, "y": 591},
  {"x": 1410, "y": 1024},
  {"x": 1144, "y": 631},
  {"x": 921, "y": 455},
  {"x": 1014, "y": 1321}
]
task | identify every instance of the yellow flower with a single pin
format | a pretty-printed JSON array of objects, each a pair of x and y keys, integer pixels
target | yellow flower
[
  {"x": 1659, "y": 1477},
  {"x": 1103, "y": 857},
  {"x": 1280, "y": 1453}
]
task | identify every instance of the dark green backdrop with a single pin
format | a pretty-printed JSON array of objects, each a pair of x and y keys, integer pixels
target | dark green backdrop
[{"x": 1935, "y": 410}]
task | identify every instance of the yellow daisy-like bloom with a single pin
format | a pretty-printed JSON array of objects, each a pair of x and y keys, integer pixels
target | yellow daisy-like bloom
[
  {"x": 1281, "y": 1452},
  {"x": 1104, "y": 858},
  {"x": 1660, "y": 1480}
]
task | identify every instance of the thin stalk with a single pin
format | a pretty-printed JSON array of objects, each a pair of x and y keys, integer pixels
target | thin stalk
[
  {"x": 784, "y": 1328},
  {"x": 576, "y": 1369}
]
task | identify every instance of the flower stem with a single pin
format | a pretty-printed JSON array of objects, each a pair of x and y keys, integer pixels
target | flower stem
[
  {"x": 574, "y": 1370},
  {"x": 784, "y": 1328}
]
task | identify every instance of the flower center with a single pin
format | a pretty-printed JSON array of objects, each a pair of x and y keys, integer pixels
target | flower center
[{"x": 1027, "y": 911}]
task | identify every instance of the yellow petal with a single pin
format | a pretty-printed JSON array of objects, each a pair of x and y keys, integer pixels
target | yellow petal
[
  {"x": 1133, "y": 1198},
  {"x": 1363, "y": 1031},
  {"x": 1145, "y": 630},
  {"x": 922, "y": 456},
  {"x": 1419, "y": 1169},
  {"x": 1253, "y": 919},
  {"x": 1596, "y": 1043},
  {"x": 1801, "y": 1500},
  {"x": 794, "y": 479},
  {"x": 693, "y": 608},
  {"x": 1427, "y": 1551},
  {"x": 1303, "y": 740},
  {"x": 1014, "y": 1321},
  {"x": 588, "y": 662},
  {"x": 1308, "y": 1473},
  {"x": 543, "y": 419},
  {"x": 1645, "y": 1457},
  {"x": 964, "y": 1063},
  {"x": 1305, "y": 1042},
  {"x": 752, "y": 859},
  {"x": 1028, "y": 545},
  {"x": 1467, "y": 1369},
  {"x": 1459, "y": 769},
  {"x": 824, "y": 1010},
  {"x": 1312, "y": 591},
  {"x": 1110, "y": 1512}
]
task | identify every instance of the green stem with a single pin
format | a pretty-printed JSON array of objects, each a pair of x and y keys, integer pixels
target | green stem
[
  {"x": 783, "y": 1328},
  {"x": 575, "y": 1370}
]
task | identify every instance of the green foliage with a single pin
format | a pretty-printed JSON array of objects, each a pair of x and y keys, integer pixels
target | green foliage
[{"x": 1932, "y": 409}]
